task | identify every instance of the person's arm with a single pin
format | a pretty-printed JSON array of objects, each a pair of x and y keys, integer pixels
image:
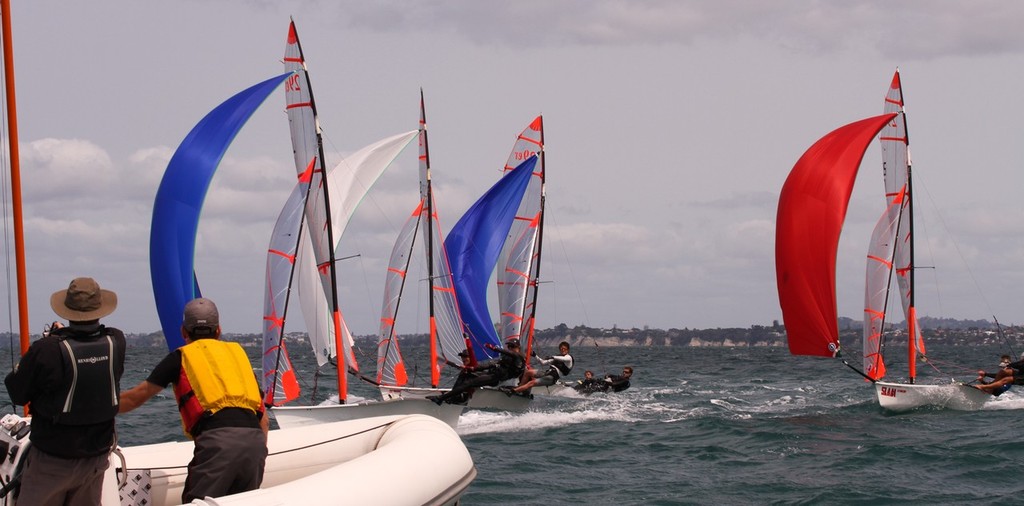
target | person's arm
[
  {"x": 165, "y": 373},
  {"x": 20, "y": 382},
  {"x": 137, "y": 396}
]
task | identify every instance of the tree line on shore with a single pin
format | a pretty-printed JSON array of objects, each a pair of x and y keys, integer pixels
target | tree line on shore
[{"x": 935, "y": 330}]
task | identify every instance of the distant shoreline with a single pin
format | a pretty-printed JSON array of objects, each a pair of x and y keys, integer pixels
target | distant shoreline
[{"x": 938, "y": 331}]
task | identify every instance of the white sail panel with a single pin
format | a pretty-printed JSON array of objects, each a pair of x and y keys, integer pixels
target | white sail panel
[
  {"x": 303, "y": 125},
  {"x": 348, "y": 183},
  {"x": 446, "y": 312},
  {"x": 390, "y": 366},
  {"x": 519, "y": 261},
  {"x": 877, "y": 279},
  {"x": 895, "y": 142},
  {"x": 279, "y": 380}
]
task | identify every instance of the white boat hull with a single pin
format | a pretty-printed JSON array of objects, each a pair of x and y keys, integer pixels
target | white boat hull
[
  {"x": 409, "y": 392},
  {"x": 488, "y": 398},
  {"x": 300, "y": 416},
  {"x": 904, "y": 397},
  {"x": 352, "y": 462}
]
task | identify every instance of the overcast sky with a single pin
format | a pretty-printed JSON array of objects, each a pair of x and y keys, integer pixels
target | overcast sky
[{"x": 670, "y": 126}]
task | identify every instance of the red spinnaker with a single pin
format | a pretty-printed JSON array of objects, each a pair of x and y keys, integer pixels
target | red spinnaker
[{"x": 812, "y": 208}]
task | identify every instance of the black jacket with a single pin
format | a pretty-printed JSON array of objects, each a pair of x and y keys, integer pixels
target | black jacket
[{"x": 41, "y": 379}]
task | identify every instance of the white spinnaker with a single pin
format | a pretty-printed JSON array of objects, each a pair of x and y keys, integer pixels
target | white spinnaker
[
  {"x": 348, "y": 182},
  {"x": 518, "y": 263}
]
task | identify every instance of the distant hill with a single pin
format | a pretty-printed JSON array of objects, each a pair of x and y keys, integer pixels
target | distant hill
[{"x": 936, "y": 330}]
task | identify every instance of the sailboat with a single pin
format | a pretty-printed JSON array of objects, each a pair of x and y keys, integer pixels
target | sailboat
[
  {"x": 446, "y": 341},
  {"x": 812, "y": 208},
  {"x": 891, "y": 255},
  {"x": 324, "y": 202},
  {"x": 303, "y": 466},
  {"x": 474, "y": 247},
  {"x": 299, "y": 453}
]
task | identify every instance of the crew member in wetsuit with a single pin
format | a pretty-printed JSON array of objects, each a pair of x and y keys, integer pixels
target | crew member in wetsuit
[
  {"x": 618, "y": 383},
  {"x": 558, "y": 366},
  {"x": 589, "y": 384},
  {"x": 1009, "y": 374},
  {"x": 510, "y": 364},
  {"x": 465, "y": 375},
  {"x": 70, "y": 379},
  {"x": 220, "y": 405}
]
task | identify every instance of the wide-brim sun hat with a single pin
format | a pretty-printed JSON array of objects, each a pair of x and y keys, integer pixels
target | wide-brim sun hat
[{"x": 83, "y": 300}]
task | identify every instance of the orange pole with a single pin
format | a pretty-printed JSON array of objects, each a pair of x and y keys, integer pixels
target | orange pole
[{"x": 12, "y": 141}]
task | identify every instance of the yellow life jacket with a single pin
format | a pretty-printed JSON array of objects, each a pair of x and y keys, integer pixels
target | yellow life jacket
[{"x": 214, "y": 375}]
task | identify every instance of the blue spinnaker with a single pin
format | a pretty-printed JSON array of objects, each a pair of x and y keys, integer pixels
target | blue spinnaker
[
  {"x": 179, "y": 200},
  {"x": 474, "y": 244}
]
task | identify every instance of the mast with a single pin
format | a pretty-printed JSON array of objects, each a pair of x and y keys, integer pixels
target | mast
[
  {"x": 329, "y": 264},
  {"x": 428, "y": 201},
  {"x": 535, "y": 276},
  {"x": 13, "y": 151},
  {"x": 912, "y": 327}
]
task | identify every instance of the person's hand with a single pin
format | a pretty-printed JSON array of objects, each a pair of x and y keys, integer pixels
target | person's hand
[{"x": 490, "y": 346}]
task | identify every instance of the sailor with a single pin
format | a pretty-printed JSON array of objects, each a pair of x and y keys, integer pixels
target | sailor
[
  {"x": 70, "y": 380},
  {"x": 220, "y": 405},
  {"x": 510, "y": 364},
  {"x": 558, "y": 366},
  {"x": 618, "y": 383},
  {"x": 589, "y": 384}
]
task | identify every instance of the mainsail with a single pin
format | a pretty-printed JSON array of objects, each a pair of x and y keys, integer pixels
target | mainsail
[
  {"x": 279, "y": 380},
  {"x": 812, "y": 208},
  {"x": 519, "y": 264},
  {"x": 307, "y": 146},
  {"x": 445, "y": 337},
  {"x": 179, "y": 201},
  {"x": 390, "y": 363},
  {"x": 898, "y": 237},
  {"x": 474, "y": 245}
]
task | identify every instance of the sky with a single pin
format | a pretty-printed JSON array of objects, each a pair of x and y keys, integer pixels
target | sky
[{"x": 671, "y": 126}]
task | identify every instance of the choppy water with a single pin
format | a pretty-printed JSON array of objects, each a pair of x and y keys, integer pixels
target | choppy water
[{"x": 714, "y": 425}]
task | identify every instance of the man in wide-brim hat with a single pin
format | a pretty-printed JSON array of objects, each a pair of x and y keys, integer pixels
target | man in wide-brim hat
[
  {"x": 83, "y": 301},
  {"x": 72, "y": 421}
]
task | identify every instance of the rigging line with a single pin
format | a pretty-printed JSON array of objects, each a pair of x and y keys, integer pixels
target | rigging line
[
  {"x": 951, "y": 365},
  {"x": 572, "y": 275},
  {"x": 956, "y": 246},
  {"x": 999, "y": 329},
  {"x": 5, "y": 176},
  {"x": 858, "y": 371}
]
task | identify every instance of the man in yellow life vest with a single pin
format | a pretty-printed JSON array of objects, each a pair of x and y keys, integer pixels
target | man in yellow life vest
[{"x": 220, "y": 404}]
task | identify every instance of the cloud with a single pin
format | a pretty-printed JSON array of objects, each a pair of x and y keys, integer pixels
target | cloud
[{"x": 902, "y": 31}]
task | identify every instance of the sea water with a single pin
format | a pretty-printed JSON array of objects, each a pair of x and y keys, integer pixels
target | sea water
[{"x": 708, "y": 426}]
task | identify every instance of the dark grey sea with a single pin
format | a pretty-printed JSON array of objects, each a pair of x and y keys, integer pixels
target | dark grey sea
[{"x": 711, "y": 426}]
